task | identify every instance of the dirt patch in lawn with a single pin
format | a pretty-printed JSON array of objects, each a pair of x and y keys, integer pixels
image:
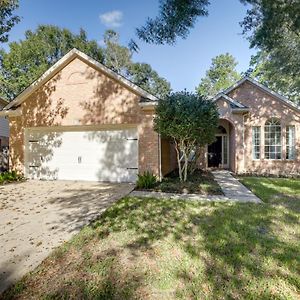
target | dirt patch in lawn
[{"x": 201, "y": 182}]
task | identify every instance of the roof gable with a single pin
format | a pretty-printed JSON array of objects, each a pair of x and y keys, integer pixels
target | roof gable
[
  {"x": 232, "y": 102},
  {"x": 263, "y": 88},
  {"x": 64, "y": 61}
]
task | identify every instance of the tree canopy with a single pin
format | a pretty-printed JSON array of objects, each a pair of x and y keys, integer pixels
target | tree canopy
[
  {"x": 29, "y": 58},
  {"x": 7, "y": 18},
  {"x": 119, "y": 59},
  {"x": 268, "y": 21},
  {"x": 276, "y": 74},
  {"x": 221, "y": 74},
  {"x": 190, "y": 121},
  {"x": 116, "y": 57},
  {"x": 148, "y": 79},
  {"x": 175, "y": 19},
  {"x": 273, "y": 26},
  {"x": 265, "y": 18}
]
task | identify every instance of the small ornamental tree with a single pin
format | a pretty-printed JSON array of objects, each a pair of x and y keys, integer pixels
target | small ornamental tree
[{"x": 190, "y": 121}]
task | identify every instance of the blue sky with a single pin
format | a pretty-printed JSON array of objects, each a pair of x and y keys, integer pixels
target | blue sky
[{"x": 182, "y": 64}]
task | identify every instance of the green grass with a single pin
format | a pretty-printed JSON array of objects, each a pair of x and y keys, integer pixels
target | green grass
[
  {"x": 170, "y": 249},
  {"x": 8, "y": 177},
  {"x": 285, "y": 191},
  {"x": 200, "y": 183}
]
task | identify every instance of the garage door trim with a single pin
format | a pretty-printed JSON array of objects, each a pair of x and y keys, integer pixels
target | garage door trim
[{"x": 84, "y": 128}]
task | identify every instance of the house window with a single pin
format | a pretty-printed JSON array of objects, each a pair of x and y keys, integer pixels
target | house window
[
  {"x": 290, "y": 142},
  {"x": 256, "y": 142},
  {"x": 273, "y": 139}
]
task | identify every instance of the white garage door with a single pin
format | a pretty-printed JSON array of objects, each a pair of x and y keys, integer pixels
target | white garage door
[{"x": 82, "y": 155}]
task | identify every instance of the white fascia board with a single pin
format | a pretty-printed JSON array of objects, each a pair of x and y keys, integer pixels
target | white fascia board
[
  {"x": 11, "y": 113},
  {"x": 148, "y": 105},
  {"x": 222, "y": 95}
]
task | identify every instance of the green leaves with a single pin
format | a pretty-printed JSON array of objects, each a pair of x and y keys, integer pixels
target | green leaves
[
  {"x": 186, "y": 116},
  {"x": 119, "y": 58},
  {"x": 175, "y": 19},
  {"x": 116, "y": 57},
  {"x": 219, "y": 76},
  {"x": 148, "y": 79},
  {"x": 30, "y": 58},
  {"x": 7, "y": 18},
  {"x": 268, "y": 20},
  {"x": 190, "y": 121},
  {"x": 274, "y": 28}
]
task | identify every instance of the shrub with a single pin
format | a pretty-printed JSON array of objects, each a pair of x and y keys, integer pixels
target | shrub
[
  {"x": 10, "y": 177},
  {"x": 146, "y": 180}
]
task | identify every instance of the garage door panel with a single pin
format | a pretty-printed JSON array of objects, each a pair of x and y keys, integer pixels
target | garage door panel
[{"x": 93, "y": 155}]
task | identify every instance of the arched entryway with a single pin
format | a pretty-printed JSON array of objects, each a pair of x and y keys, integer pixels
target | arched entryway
[{"x": 220, "y": 152}]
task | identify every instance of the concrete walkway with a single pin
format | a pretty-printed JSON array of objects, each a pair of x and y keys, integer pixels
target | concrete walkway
[{"x": 233, "y": 191}]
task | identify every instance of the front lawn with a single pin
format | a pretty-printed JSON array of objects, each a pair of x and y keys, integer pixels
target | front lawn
[
  {"x": 201, "y": 182},
  {"x": 168, "y": 249},
  {"x": 285, "y": 191}
]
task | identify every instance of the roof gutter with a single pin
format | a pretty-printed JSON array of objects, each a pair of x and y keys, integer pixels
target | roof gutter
[
  {"x": 240, "y": 110},
  {"x": 148, "y": 105}
]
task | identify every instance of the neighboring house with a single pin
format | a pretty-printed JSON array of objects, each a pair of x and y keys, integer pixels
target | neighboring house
[
  {"x": 82, "y": 121},
  {"x": 4, "y": 127}
]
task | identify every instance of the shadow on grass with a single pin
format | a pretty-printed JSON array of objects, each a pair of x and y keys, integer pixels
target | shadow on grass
[
  {"x": 228, "y": 250},
  {"x": 241, "y": 242}
]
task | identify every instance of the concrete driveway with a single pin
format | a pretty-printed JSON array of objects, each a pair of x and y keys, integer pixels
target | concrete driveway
[{"x": 37, "y": 216}]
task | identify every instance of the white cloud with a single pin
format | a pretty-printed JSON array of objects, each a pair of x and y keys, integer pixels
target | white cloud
[{"x": 112, "y": 18}]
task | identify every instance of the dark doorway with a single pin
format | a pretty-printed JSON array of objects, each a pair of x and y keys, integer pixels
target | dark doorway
[{"x": 215, "y": 153}]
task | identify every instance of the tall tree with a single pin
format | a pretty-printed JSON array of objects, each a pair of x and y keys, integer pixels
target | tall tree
[
  {"x": 268, "y": 20},
  {"x": 273, "y": 27},
  {"x": 27, "y": 59},
  {"x": 272, "y": 73},
  {"x": 7, "y": 18},
  {"x": 175, "y": 19},
  {"x": 116, "y": 56},
  {"x": 221, "y": 74},
  {"x": 119, "y": 59},
  {"x": 145, "y": 77}
]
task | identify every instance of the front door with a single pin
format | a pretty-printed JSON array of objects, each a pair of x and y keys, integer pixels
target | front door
[{"x": 215, "y": 153}]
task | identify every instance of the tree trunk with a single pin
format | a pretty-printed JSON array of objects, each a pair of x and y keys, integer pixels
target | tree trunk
[
  {"x": 178, "y": 160},
  {"x": 186, "y": 161},
  {"x": 193, "y": 163}
]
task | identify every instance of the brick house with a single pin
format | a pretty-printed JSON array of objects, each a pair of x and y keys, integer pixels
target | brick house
[{"x": 82, "y": 121}]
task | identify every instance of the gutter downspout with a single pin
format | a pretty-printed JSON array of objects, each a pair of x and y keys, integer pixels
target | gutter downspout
[
  {"x": 159, "y": 157},
  {"x": 244, "y": 146}
]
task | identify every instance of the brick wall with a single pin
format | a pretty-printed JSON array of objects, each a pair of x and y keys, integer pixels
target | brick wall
[{"x": 81, "y": 95}]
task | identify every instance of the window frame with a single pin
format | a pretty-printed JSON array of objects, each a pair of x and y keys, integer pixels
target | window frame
[
  {"x": 272, "y": 126},
  {"x": 254, "y": 138},
  {"x": 287, "y": 144}
]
